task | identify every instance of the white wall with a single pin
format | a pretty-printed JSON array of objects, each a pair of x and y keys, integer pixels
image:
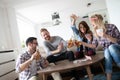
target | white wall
[
  {"x": 26, "y": 28},
  {"x": 62, "y": 30},
  {"x": 114, "y": 11},
  {"x": 8, "y": 29},
  {"x": 9, "y": 40},
  {"x": 5, "y": 33}
]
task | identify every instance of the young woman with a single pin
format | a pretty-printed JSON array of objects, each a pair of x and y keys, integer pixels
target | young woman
[
  {"x": 80, "y": 33},
  {"x": 108, "y": 36}
]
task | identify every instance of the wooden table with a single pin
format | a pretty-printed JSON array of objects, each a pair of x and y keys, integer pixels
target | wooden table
[{"x": 70, "y": 65}]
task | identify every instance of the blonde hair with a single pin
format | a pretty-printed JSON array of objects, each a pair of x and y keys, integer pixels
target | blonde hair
[{"x": 98, "y": 20}]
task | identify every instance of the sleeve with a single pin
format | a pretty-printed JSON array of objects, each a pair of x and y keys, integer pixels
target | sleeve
[
  {"x": 19, "y": 61},
  {"x": 115, "y": 33},
  {"x": 74, "y": 29},
  {"x": 76, "y": 33},
  {"x": 47, "y": 50}
]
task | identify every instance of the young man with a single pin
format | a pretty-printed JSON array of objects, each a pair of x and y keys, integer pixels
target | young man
[
  {"x": 56, "y": 49},
  {"x": 31, "y": 61}
]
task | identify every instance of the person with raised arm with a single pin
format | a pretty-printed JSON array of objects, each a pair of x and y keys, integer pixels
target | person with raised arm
[
  {"x": 83, "y": 33},
  {"x": 108, "y": 36}
]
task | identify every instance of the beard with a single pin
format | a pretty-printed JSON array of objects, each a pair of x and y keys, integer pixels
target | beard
[
  {"x": 47, "y": 38},
  {"x": 34, "y": 49}
]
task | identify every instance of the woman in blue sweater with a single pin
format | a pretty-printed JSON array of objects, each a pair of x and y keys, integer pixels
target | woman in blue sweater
[{"x": 84, "y": 34}]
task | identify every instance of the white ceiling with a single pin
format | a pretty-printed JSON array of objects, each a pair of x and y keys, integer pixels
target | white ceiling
[{"x": 39, "y": 11}]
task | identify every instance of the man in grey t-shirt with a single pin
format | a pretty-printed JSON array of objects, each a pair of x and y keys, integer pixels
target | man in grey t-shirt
[{"x": 56, "y": 49}]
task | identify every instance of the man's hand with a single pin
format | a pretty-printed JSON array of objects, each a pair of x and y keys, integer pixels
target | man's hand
[
  {"x": 60, "y": 46},
  {"x": 45, "y": 63},
  {"x": 36, "y": 55}
]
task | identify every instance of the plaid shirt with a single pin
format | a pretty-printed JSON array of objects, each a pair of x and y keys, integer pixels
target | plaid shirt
[
  {"x": 28, "y": 72},
  {"x": 113, "y": 32}
]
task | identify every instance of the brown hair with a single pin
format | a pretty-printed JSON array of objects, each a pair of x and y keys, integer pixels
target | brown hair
[
  {"x": 90, "y": 32},
  {"x": 85, "y": 25},
  {"x": 43, "y": 29}
]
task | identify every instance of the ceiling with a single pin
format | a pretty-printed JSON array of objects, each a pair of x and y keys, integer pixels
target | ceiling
[{"x": 39, "y": 11}]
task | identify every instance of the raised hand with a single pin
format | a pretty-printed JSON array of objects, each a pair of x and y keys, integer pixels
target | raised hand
[
  {"x": 73, "y": 16},
  {"x": 60, "y": 46}
]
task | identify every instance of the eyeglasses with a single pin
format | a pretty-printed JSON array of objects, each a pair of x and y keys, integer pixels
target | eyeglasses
[{"x": 35, "y": 43}]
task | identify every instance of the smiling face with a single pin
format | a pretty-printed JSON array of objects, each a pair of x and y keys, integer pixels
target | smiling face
[
  {"x": 32, "y": 44},
  {"x": 45, "y": 35},
  {"x": 82, "y": 28},
  {"x": 93, "y": 22},
  {"x": 96, "y": 20}
]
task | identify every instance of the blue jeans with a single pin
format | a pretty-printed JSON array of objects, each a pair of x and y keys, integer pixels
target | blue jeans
[{"x": 112, "y": 53}]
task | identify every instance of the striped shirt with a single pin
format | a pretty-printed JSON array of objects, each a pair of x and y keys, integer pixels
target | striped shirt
[
  {"x": 111, "y": 30},
  {"x": 32, "y": 68}
]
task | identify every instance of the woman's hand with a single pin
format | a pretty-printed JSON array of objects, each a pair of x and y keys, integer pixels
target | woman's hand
[
  {"x": 77, "y": 43},
  {"x": 88, "y": 37},
  {"x": 74, "y": 18},
  {"x": 101, "y": 33}
]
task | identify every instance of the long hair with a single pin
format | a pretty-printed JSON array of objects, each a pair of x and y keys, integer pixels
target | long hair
[
  {"x": 98, "y": 20},
  {"x": 85, "y": 25}
]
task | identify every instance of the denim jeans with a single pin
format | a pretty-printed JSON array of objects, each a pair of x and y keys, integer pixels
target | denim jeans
[{"x": 112, "y": 53}]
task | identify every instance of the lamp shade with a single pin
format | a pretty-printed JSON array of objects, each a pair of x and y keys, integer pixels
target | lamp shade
[{"x": 55, "y": 15}]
